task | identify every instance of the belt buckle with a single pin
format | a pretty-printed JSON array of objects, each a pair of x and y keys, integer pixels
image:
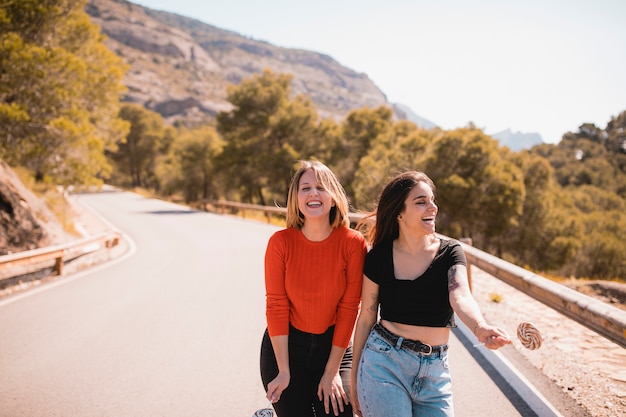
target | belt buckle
[{"x": 430, "y": 349}]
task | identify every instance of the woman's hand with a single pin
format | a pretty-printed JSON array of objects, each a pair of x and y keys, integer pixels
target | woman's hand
[
  {"x": 493, "y": 337},
  {"x": 330, "y": 390},
  {"x": 276, "y": 387}
]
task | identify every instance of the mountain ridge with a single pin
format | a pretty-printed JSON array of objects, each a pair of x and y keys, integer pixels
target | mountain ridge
[
  {"x": 180, "y": 67},
  {"x": 517, "y": 141}
]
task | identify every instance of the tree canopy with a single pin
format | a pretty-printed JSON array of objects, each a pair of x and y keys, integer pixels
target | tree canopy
[
  {"x": 59, "y": 91},
  {"x": 137, "y": 153},
  {"x": 558, "y": 208},
  {"x": 266, "y": 134}
]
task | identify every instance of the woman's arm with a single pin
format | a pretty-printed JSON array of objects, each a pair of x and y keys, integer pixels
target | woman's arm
[
  {"x": 330, "y": 389},
  {"x": 348, "y": 307},
  {"x": 275, "y": 388},
  {"x": 465, "y": 306},
  {"x": 367, "y": 317},
  {"x": 277, "y": 314}
]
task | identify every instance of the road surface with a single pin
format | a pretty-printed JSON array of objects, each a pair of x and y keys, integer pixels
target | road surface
[{"x": 171, "y": 329}]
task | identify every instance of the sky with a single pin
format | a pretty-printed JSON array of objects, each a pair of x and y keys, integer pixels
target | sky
[{"x": 532, "y": 66}]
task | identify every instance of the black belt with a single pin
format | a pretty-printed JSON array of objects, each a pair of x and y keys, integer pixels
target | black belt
[{"x": 414, "y": 345}]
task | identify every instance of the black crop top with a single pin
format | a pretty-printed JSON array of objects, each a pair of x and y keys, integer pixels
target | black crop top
[{"x": 423, "y": 301}]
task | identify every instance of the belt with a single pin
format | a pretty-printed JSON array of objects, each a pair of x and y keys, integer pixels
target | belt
[{"x": 414, "y": 345}]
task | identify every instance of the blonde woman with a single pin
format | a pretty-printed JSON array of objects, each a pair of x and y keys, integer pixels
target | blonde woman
[{"x": 313, "y": 279}]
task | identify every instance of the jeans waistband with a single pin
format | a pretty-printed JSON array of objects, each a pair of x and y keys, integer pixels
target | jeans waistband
[{"x": 414, "y": 345}]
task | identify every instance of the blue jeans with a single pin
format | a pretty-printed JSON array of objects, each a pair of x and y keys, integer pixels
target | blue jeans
[{"x": 396, "y": 381}]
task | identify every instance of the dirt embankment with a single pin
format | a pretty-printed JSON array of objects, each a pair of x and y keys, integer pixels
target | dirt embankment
[
  {"x": 25, "y": 221},
  {"x": 611, "y": 292}
]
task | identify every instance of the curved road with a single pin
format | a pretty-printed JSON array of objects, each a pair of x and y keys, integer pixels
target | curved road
[{"x": 171, "y": 329}]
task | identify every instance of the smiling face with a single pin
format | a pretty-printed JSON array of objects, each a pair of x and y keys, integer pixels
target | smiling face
[
  {"x": 313, "y": 199},
  {"x": 420, "y": 210}
]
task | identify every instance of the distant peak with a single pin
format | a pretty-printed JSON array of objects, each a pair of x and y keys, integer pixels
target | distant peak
[{"x": 517, "y": 141}]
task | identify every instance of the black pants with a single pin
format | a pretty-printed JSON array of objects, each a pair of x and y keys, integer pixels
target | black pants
[{"x": 308, "y": 354}]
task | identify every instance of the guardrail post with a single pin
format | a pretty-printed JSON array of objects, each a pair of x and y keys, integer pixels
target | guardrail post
[
  {"x": 54, "y": 257},
  {"x": 58, "y": 265},
  {"x": 468, "y": 241},
  {"x": 112, "y": 242}
]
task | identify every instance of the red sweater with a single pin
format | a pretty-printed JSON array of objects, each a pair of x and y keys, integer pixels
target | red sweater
[{"x": 313, "y": 285}]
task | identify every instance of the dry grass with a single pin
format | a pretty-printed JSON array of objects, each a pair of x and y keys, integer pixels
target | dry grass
[{"x": 52, "y": 196}]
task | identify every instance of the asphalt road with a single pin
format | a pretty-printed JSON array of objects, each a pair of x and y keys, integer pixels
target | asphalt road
[{"x": 172, "y": 328}]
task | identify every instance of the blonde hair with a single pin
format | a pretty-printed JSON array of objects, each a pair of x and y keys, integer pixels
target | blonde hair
[{"x": 338, "y": 215}]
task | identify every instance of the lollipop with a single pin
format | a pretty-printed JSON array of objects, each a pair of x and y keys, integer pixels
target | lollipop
[
  {"x": 264, "y": 412},
  {"x": 529, "y": 335}
]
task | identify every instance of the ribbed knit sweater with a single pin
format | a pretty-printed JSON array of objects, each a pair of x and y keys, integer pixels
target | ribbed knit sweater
[{"x": 314, "y": 285}]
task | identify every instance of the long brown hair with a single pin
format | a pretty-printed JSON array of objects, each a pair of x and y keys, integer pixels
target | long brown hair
[
  {"x": 390, "y": 204},
  {"x": 338, "y": 215}
]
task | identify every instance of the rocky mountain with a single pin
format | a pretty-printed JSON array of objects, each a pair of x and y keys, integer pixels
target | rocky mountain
[
  {"x": 404, "y": 112},
  {"x": 180, "y": 67},
  {"x": 516, "y": 141}
]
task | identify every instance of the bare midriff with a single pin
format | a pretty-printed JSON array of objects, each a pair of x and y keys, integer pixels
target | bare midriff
[{"x": 434, "y": 336}]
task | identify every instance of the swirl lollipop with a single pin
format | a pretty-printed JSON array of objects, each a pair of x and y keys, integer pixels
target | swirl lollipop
[
  {"x": 264, "y": 412},
  {"x": 529, "y": 335}
]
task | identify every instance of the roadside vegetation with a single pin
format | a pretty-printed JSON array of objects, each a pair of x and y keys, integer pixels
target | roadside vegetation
[{"x": 557, "y": 209}]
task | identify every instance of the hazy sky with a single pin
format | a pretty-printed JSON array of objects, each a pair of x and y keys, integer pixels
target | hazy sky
[{"x": 543, "y": 66}]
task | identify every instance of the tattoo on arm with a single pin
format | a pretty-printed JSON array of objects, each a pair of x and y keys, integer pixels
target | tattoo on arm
[
  {"x": 373, "y": 307},
  {"x": 453, "y": 283}
]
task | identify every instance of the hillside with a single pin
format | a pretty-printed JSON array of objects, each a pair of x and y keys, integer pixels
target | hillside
[
  {"x": 180, "y": 67},
  {"x": 25, "y": 220}
]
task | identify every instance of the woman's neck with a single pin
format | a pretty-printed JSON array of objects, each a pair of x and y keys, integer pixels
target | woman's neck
[
  {"x": 411, "y": 243},
  {"x": 316, "y": 231}
]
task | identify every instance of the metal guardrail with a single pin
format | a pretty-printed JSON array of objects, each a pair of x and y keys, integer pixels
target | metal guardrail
[
  {"x": 267, "y": 210},
  {"x": 598, "y": 316},
  {"x": 54, "y": 256},
  {"x": 242, "y": 207}
]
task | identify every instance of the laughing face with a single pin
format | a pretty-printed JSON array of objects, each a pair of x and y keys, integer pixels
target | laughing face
[
  {"x": 313, "y": 199},
  {"x": 420, "y": 209}
]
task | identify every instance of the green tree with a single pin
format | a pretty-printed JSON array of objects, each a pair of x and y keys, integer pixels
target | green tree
[
  {"x": 265, "y": 134},
  {"x": 402, "y": 150},
  {"x": 59, "y": 91},
  {"x": 325, "y": 147},
  {"x": 591, "y": 156},
  {"x": 194, "y": 154},
  {"x": 616, "y": 144},
  {"x": 544, "y": 238},
  {"x": 148, "y": 139},
  {"x": 480, "y": 191},
  {"x": 359, "y": 130},
  {"x": 603, "y": 215}
]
